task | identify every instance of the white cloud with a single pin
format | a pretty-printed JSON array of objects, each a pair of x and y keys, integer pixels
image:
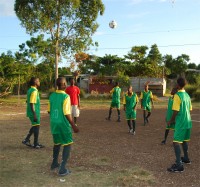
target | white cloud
[{"x": 7, "y": 8}]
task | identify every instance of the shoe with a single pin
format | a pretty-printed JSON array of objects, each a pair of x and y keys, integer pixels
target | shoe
[
  {"x": 27, "y": 143},
  {"x": 133, "y": 133},
  {"x": 185, "y": 161},
  {"x": 130, "y": 131},
  {"x": 176, "y": 168},
  {"x": 65, "y": 172},
  {"x": 54, "y": 166},
  {"x": 119, "y": 120},
  {"x": 163, "y": 142},
  {"x": 108, "y": 119},
  {"x": 38, "y": 146}
]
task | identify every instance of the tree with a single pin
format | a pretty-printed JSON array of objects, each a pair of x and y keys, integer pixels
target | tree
[{"x": 69, "y": 24}]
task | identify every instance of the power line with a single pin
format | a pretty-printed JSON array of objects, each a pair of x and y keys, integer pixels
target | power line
[{"x": 122, "y": 48}]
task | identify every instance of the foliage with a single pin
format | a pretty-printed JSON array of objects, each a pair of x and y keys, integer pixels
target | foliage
[
  {"x": 68, "y": 24},
  {"x": 197, "y": 95},
  {"x": 191, "y": 89}
]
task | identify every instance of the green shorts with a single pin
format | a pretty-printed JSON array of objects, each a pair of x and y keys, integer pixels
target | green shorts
[
  {"x": 62, "y": 138},
  {"x": 148, "y": 108},
  {"x": 171, "y": 126},
  {"x": 115, "y": 105},
  {"x": 131, "y": 115},
  {"x": 33, "y": 122},
  {"x": 181, "y": 135}
]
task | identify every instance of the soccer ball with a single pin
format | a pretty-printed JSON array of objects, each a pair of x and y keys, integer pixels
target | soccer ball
[{"x": 113, "y": 24}]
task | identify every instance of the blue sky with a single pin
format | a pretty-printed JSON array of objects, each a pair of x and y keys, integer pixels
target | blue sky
[{"x": 174, "y": 25}]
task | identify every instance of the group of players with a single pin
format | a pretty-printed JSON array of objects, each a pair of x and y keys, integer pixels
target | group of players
[{"x": 65, "y": 101}]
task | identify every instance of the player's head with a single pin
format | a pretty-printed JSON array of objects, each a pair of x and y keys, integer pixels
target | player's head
[
  {"x": 181, "y": 82},
  {"x": 146, "y": 87},
  {"x": 34, "y": 81},
  {"x": 72, "y": 81},
  {"x": 130, "y": 89},
  {"x": 61, "y": 83},
  {"x": 174, "y": 90},
  {"x": 117, "y": 84}
]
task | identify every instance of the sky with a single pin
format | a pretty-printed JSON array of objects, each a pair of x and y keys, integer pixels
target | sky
[{"x": 174, "y": 25}]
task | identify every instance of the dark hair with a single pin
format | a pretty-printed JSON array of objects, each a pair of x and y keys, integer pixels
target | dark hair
[
  {"x": 32, "y": 81},
  {"x": 59, "y": 81},
  {"x": 181, "y": 82}
]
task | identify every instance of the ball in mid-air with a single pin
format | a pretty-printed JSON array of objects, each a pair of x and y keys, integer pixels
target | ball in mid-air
[{"x": 113, "y": 24}]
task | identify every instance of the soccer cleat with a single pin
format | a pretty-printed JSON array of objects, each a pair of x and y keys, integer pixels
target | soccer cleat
[
  {"x": 185, "y": 161},
  {"x": 130, "y": 131},
  {"x": 64, "y": 172},
  {"x": 38, "y": 146},
  {"x": 108, "y": 119},
  {"x": 176, "y": 168},
  {"x": 163, "y": 142},
  {"x": 133, "y": 133},
  {"x": 54, "y": 166},
  {"x": 27, "y": 143}
]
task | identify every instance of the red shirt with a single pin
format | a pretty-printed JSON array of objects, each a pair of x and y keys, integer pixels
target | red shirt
[{"x": 73, "y": 92}]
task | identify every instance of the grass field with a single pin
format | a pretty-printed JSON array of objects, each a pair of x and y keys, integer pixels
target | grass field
[{"x": 103, "y": 154}]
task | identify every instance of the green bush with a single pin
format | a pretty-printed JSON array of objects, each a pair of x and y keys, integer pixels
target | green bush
[
  {"x": 82, "y": 93},
  {"x": 191, "y": 89},
  {"x": 197, "y": 95}
]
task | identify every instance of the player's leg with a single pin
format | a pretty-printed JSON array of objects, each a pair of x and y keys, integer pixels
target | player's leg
[
  {"x": 36, "y": 144},
  {"x": 165, "y": 137},
  {"x": 118, "y": 113},
  {"x": 185, "y": 159},
  {"x": 65, "y": 157},
  {"x": 129, "y": 126},
  {"x": 178, "y": 139},
  {"x": 148, "y": 115},
  {"x": 56, "y": 150},
  {"x": 133, "y": 126},
  {"x": 144, "y": 116},
  {"x": 109, "y": 114},
  {"x": 26, "y": 141}
]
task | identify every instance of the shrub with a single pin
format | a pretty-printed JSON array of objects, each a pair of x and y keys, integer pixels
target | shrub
[
  {"x": 191, "y": 89},
  {"x": 82, "y": 93},
  {"x": 197, "y": 95}
]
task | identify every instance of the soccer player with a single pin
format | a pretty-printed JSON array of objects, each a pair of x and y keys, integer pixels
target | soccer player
[
  {"x": 130, "y": 101},
  {"x": 74, "y": 93},
  {"x": 116, "y": 91},
  {"x": 183, "y": 124},
  {"x": 146, "y": 101},
  {"x": 33, "y": 112},
  {"x": 169, "y": 115},
  {"x": 61, "y": 124}
]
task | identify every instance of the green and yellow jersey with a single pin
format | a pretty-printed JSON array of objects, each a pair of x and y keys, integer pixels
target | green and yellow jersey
[
  {"x": 59, "y": 106},
  {"x": 34, "y": 98},
  {"x": 116, "y": 92},
  {"x": 146, "y": 99},
  {"x": 130, "y": 102},
  {"x": 182, "y": 104}
]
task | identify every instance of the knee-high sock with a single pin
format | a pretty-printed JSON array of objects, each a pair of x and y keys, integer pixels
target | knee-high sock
[
  {"x": 110, "y": 113},
  {"x": 166, "y": 133},
  {"x": 36, "y": 134},
  {"x": 177, "y": 151},
  {"x": 65, "y": 156},
  {"x": 185, "y": 150},
  {"x": 75, "y": 120},
  {"x": 148, "y": 115},
  {"x": 129, "y": 124},
  {"x": 118, "y": 112},
  {"x": 144, "y": 116},
  {"x": 56, "y": 150},
  {"x": 133, "y": 124},
  {"x": 29, "y": 134}
]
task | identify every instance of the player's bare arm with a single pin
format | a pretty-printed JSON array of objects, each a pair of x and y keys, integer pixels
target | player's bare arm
[
  {"x": 33, "y": 111},
  {"x": 172, "y": 120},
  {"x": 74, "y": 127}
]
